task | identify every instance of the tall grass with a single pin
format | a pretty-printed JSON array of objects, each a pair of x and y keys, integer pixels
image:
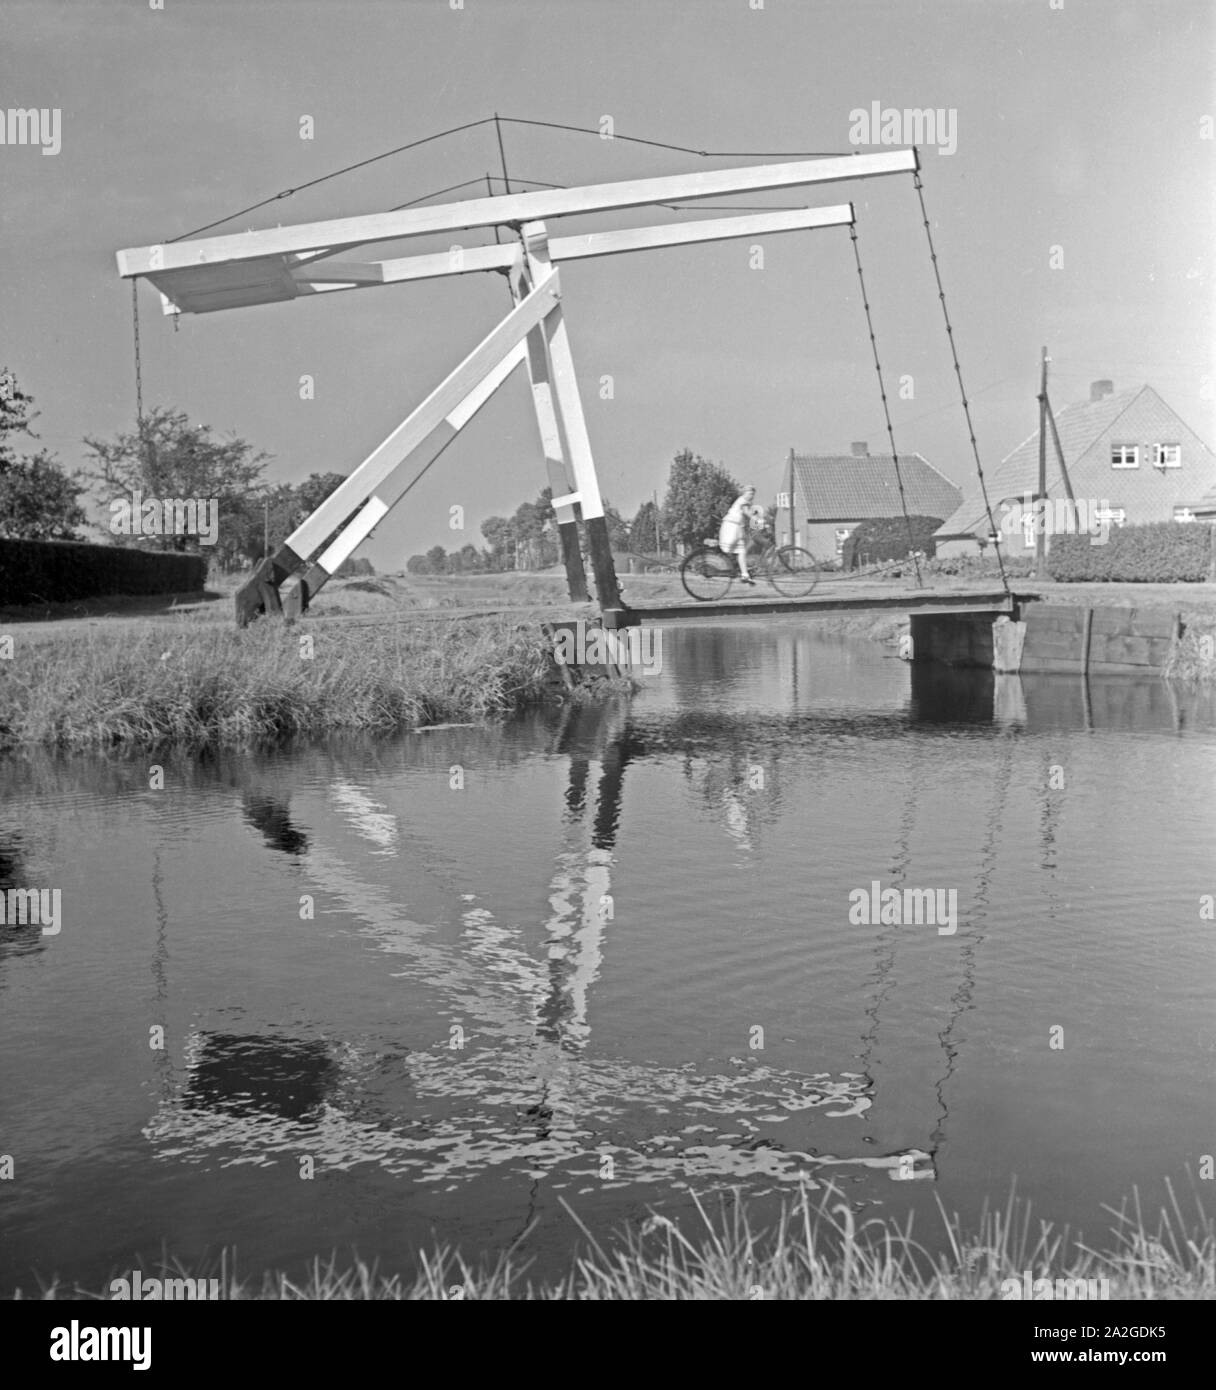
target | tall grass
[
  {"x": 816, "y": 1250},
  {"x": 199, "y": 685},
  {"x": 1193, "y": 659}
]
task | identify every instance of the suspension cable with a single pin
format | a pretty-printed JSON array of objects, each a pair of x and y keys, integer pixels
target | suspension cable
[
  {"x": 347, "y": 169},
  {"x": 958, "y": 372},
  {"x": 680, "y": 149},
  {"x": 496, "y": 121},
  {"x": 886, "y": 410}
]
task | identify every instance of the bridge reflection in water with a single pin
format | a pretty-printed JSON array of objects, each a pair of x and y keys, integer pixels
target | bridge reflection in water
[{"x": 523, "y": 1093}]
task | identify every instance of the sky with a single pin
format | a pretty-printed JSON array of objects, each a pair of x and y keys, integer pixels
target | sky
[{"x": 1074, "y": 210}]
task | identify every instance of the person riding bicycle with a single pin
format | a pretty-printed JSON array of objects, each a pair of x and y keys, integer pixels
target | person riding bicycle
[{"x": 732, "y": 534}]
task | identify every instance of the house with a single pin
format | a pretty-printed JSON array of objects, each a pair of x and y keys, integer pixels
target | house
[
  {"x": 835, "y": 492},
  {"x": 1130, "y": 459}
]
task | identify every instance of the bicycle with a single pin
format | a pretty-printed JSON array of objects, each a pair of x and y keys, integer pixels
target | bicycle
[{"x": 708, "y": 572}]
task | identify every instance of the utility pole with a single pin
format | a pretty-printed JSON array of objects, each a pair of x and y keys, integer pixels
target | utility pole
[
  {"x": 265, "y": 527},
  {"x": 1040, "y": 538},
  {"x": 790, "y": 499}
]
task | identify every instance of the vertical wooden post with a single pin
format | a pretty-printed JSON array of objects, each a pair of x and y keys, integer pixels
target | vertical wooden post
[
  {"x": 570, "y": 411},
  {"x": 1086, "y": 639},
  {"x": 555, "y": 462}
]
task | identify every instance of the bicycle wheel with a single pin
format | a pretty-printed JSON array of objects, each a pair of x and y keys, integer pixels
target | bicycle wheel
[
  {"x": 707, "y": 574},
  {"x": 793, "y": 572}
]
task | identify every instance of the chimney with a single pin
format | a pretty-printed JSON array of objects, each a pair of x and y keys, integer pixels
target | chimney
[
  {"x": 861, "y": 450},
  {"x": 1098, "y": 389}
]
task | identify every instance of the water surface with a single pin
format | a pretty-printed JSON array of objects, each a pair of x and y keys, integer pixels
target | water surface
[{"x": 604, "y": 957}]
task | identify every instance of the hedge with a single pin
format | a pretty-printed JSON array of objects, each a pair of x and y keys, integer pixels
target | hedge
[
  {"x": 59, "y": 571},
  {"x": 886, "y": 538},
  {"x": 1161, "y": 552}
]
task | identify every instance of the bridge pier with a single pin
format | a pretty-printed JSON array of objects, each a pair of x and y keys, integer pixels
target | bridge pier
[{"x": 988, "y": 640}]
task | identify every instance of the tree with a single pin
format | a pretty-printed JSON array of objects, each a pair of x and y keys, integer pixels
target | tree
[
  {"x": 437, "y": 557},
  {"x": 498, "y": 536},
  {"x": 38, "y": 500},
  {"x": 171, "y": 458},
  {"x": 699, "y": 494},
  {"x": 16, "y": 414},
  {"x": 618, "y": 527},
  {"x": 645, "y": 531}
]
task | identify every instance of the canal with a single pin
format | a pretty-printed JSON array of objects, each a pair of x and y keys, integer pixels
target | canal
[{"x": 377, "y": 995}]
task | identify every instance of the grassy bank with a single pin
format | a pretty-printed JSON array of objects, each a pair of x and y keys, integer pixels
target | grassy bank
[
  {"x": 203, "y": 684},
  {"x": 816, "y": 1250}
]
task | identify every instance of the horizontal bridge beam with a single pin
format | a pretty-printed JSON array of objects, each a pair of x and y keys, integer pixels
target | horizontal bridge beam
[
  {"x": 468, "y": 260},
  {"x": 512, "y": 209},
  {"x": 202, "y": 290}
]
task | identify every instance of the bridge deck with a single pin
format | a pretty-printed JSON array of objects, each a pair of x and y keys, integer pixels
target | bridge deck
[{"x": 835, "y": 597}]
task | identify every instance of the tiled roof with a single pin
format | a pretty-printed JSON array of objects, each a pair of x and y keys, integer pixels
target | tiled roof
[
  {"x": 1017, "y": 473},
  {"x": 845, "y": 487}
]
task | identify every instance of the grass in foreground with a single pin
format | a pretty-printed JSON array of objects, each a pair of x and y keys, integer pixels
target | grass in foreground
[
  {"x": 814, "y": 1252},
  {"x": 204, "y": 685}
]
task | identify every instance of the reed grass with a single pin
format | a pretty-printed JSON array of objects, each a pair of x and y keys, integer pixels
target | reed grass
[
  {"x": 1193, "y": 659},
  {"x": 816, "y": 1250},
  {"x": 202, "y": 685}
]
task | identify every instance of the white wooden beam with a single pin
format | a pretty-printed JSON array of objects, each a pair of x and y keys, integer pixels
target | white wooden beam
[
  {"x": 323, "y": 277},
  {"x": 390, "y": 491},
  {"x": 449, "y": 397},
  {"x": 565, "y": 382},
  {"x": 575, "y": 248},
  {"x": 512, "y": 209}
]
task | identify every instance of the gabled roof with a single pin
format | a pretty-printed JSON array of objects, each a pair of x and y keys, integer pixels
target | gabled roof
[
  {"x": 845, "y": 487},
  {"x": 1080, "y": 425}
]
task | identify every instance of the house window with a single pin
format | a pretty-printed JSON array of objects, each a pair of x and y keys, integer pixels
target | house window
[
  {"x": 1167, "y": 455},
  {"x": 1112, "y": 516},
  {"x": 1184, "y": 514},
  {"x": 1125, "y": 456},
  {"x": 1028, "y": 529}
]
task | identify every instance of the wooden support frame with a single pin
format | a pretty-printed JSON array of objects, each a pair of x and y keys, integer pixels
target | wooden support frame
[{"x": 286, "y": 263}]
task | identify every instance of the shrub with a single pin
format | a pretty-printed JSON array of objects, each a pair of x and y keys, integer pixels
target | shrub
[
  {"x": 1160, "y": 552},
  {"x": 59, "y": 571},
  {"x": 886, "y": 538},
  {"x": 352, "y": 568},
  {"x": 978, "y": 566}
]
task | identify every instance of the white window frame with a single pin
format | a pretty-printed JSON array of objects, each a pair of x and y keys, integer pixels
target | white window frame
[
  {"x": 1028, "y": 535},
  {"x": 1186, "y": 515},
  {"x": 1160, "y": 460},
  {"x": 1113, "y": 516},
  {"x": 1123, "y": 448}
]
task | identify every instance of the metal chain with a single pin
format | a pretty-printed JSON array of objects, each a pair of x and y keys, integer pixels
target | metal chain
[
  {"x": 882, "y": 390},
  {"x": 139, "y": 384},
  {"x": 958, "y": 372}
]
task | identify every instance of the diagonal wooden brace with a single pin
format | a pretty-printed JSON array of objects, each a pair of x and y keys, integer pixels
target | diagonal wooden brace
[{"x": 448, "y": 398}]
